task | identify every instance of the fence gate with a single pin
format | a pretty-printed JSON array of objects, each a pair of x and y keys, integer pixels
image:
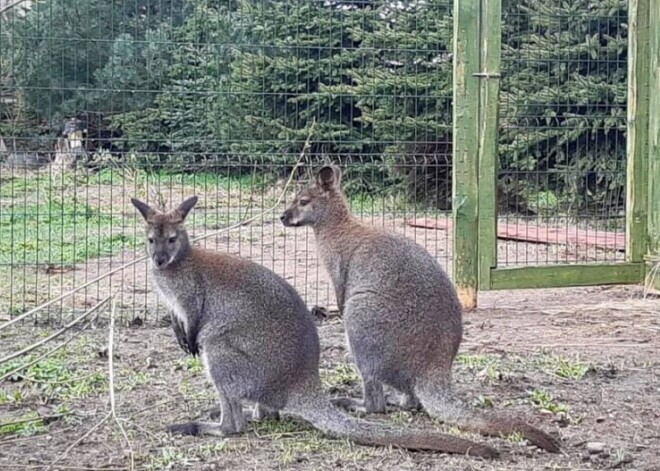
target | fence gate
[{"x": 555, "y": 144}]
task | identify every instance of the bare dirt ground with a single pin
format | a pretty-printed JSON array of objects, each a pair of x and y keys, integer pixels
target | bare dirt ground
[{"x": 580, "y": 363}]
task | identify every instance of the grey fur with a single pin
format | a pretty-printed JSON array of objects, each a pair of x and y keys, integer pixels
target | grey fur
[
  {"x": 257, "y": 340},
  {"x": 401, "y": 312}
]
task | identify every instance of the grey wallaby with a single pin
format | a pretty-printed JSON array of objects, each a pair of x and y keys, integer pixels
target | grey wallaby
[
  {"x": 256, "y": 339},
  {"x": 401, "y": 312}
]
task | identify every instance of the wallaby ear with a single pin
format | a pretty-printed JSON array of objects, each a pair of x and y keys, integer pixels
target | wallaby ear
[
  {"x": 146, "y": 210},
  {"x": 328, "y": 177},
  {"x": 185, "y": 207}
]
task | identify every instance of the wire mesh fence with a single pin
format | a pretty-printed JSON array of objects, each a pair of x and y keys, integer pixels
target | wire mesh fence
[
  {"x": 563, "y": 132},
  {"x": 161, "y": 99}
]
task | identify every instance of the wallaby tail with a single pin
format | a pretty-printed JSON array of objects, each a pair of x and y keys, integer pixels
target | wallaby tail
[
  {"x": 441, "y": 403},
  {"x": 331, "y": 421}
]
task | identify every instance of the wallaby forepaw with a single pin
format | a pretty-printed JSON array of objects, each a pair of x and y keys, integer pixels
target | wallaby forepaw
[{"x": 189, "y": 428}]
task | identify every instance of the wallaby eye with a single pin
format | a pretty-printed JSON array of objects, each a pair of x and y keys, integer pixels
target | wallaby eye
[
  {"x": 172, "y": 240},
  {"x": 151, "y": 241},
  {"x": 304, "y": 202}
]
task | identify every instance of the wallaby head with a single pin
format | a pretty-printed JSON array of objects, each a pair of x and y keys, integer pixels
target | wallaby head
[
  {"x": 319, "y": 202},
  {"x": 167, "y": 239}
]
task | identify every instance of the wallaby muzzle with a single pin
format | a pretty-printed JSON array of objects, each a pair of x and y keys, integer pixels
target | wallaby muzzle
[
  {"x": 286, "y": 219},
  {"x": 160, "y": 259}
]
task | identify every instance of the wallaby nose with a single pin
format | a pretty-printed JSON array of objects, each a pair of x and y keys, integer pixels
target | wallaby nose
[
  {"x": 159, "y": 260},
  {"x": 283, "y": 216}
]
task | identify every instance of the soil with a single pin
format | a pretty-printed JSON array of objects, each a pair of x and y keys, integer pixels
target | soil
[{"x": 591, "y": 353}]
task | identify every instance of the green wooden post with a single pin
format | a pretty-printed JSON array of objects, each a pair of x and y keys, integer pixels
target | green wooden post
[
  {"x": 491, "y": 53},
  {"x": 654, "y": 137},
  {"x": 638, "y": 127},
  {"x": 465, "y": 171}
]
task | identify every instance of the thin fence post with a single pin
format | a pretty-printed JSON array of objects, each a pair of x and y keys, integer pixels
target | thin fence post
[
  {"x": 637, "y": 197},
  {"x": 465, "y": 172},
  {"x": 654, "y": 136}
]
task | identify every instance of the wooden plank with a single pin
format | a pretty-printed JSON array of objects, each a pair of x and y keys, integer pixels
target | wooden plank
[
  {"x": 637, "y": 132},
  {"x": 491, "y": 53},
  {"x": 465, "y": 171},
  {"x": 653, "y": 221},
  {"x": 540, "y": 234},
  {"x": 560, "y": 276},
  {"x": 654, "y": 133}
]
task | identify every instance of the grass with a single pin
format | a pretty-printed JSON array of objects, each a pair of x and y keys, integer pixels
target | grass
[{"x": 59, "y": 233}]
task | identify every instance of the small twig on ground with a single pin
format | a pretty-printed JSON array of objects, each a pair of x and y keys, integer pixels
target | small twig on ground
[
  {"x": 111, "y": 381},
  {"x": 56, "y": 334},
  {"x": 74, "y": 444},
  {"x": 123, "y": 267}
]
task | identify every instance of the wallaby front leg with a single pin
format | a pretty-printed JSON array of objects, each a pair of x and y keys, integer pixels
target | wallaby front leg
[{"x": 179, "y": 332}]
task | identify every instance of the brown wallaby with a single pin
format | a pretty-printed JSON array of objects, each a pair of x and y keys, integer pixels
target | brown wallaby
[
  {"x": 401, "y": 312},
  {"x": 256, "y": 339}
]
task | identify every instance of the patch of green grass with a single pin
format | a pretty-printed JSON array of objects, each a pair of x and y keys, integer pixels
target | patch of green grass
[
  {"x": 19, "y": 185},
  {"x": 26, "y": 425},
  {"x": 57, "y": 232},
  {"x": 131, "y": 379},
  {"x": 516, "y": 438},
  {"x": 54, "y": 379},
  {"x": 342, "y": 375},
  {"x": 484, "y": 402},
  {"x": 13, "y": 397},
  {"x": 191, "y": 364},
  {"x": 544, "y": 401},
  {"x": 488, "y": 365},
  {"x": 567, "y": 367},
  {"x": 277, "y": 429},
  {"x": 204, "y": 180},
  {"x": 167, "y": 459}
]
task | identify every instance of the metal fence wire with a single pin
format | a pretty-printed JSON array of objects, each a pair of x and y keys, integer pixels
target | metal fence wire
[{"x": 162, "y": 99}]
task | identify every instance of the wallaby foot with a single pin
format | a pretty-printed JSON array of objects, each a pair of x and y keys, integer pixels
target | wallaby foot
[
  {"x": 261, "y": 412},
  {"x": 373, "y": 403},
  {"x": 408, "y": 401},
  {"x": 231, "y": 422}
]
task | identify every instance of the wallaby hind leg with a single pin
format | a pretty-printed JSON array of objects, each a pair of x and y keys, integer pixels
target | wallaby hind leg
[
  {"x": 231, "y": 422},
  {"x": 374, "y": 399}
]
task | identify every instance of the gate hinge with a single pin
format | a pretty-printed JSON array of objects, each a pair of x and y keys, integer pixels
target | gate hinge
[{"x": 487, "y": 75}]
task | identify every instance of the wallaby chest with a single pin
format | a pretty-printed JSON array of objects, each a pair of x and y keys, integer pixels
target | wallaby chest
[{"x": 173, "y": 292}]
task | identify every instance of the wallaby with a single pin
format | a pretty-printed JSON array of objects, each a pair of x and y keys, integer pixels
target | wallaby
[
  {"x": 401, "y": 312},
  {"x": 256, "y": 339}
]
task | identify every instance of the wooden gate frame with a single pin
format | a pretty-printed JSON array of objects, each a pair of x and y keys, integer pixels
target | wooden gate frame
[{"x": 477, "y": 57}]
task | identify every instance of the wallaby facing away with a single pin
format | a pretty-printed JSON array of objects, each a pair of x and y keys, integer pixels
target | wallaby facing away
[
  {"x": 257, "y": 340},
  {"x": 402, "y": 315}
]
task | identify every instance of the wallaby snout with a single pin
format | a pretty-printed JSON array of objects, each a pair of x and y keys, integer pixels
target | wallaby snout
[
  {"x": 160, "y": 259},
  {"x": 288, "y": 219}
]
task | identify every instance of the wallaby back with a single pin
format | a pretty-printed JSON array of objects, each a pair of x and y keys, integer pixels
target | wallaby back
[
  {"x": 257, "y": 339},
  {"x": 401, "y": 312}
]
